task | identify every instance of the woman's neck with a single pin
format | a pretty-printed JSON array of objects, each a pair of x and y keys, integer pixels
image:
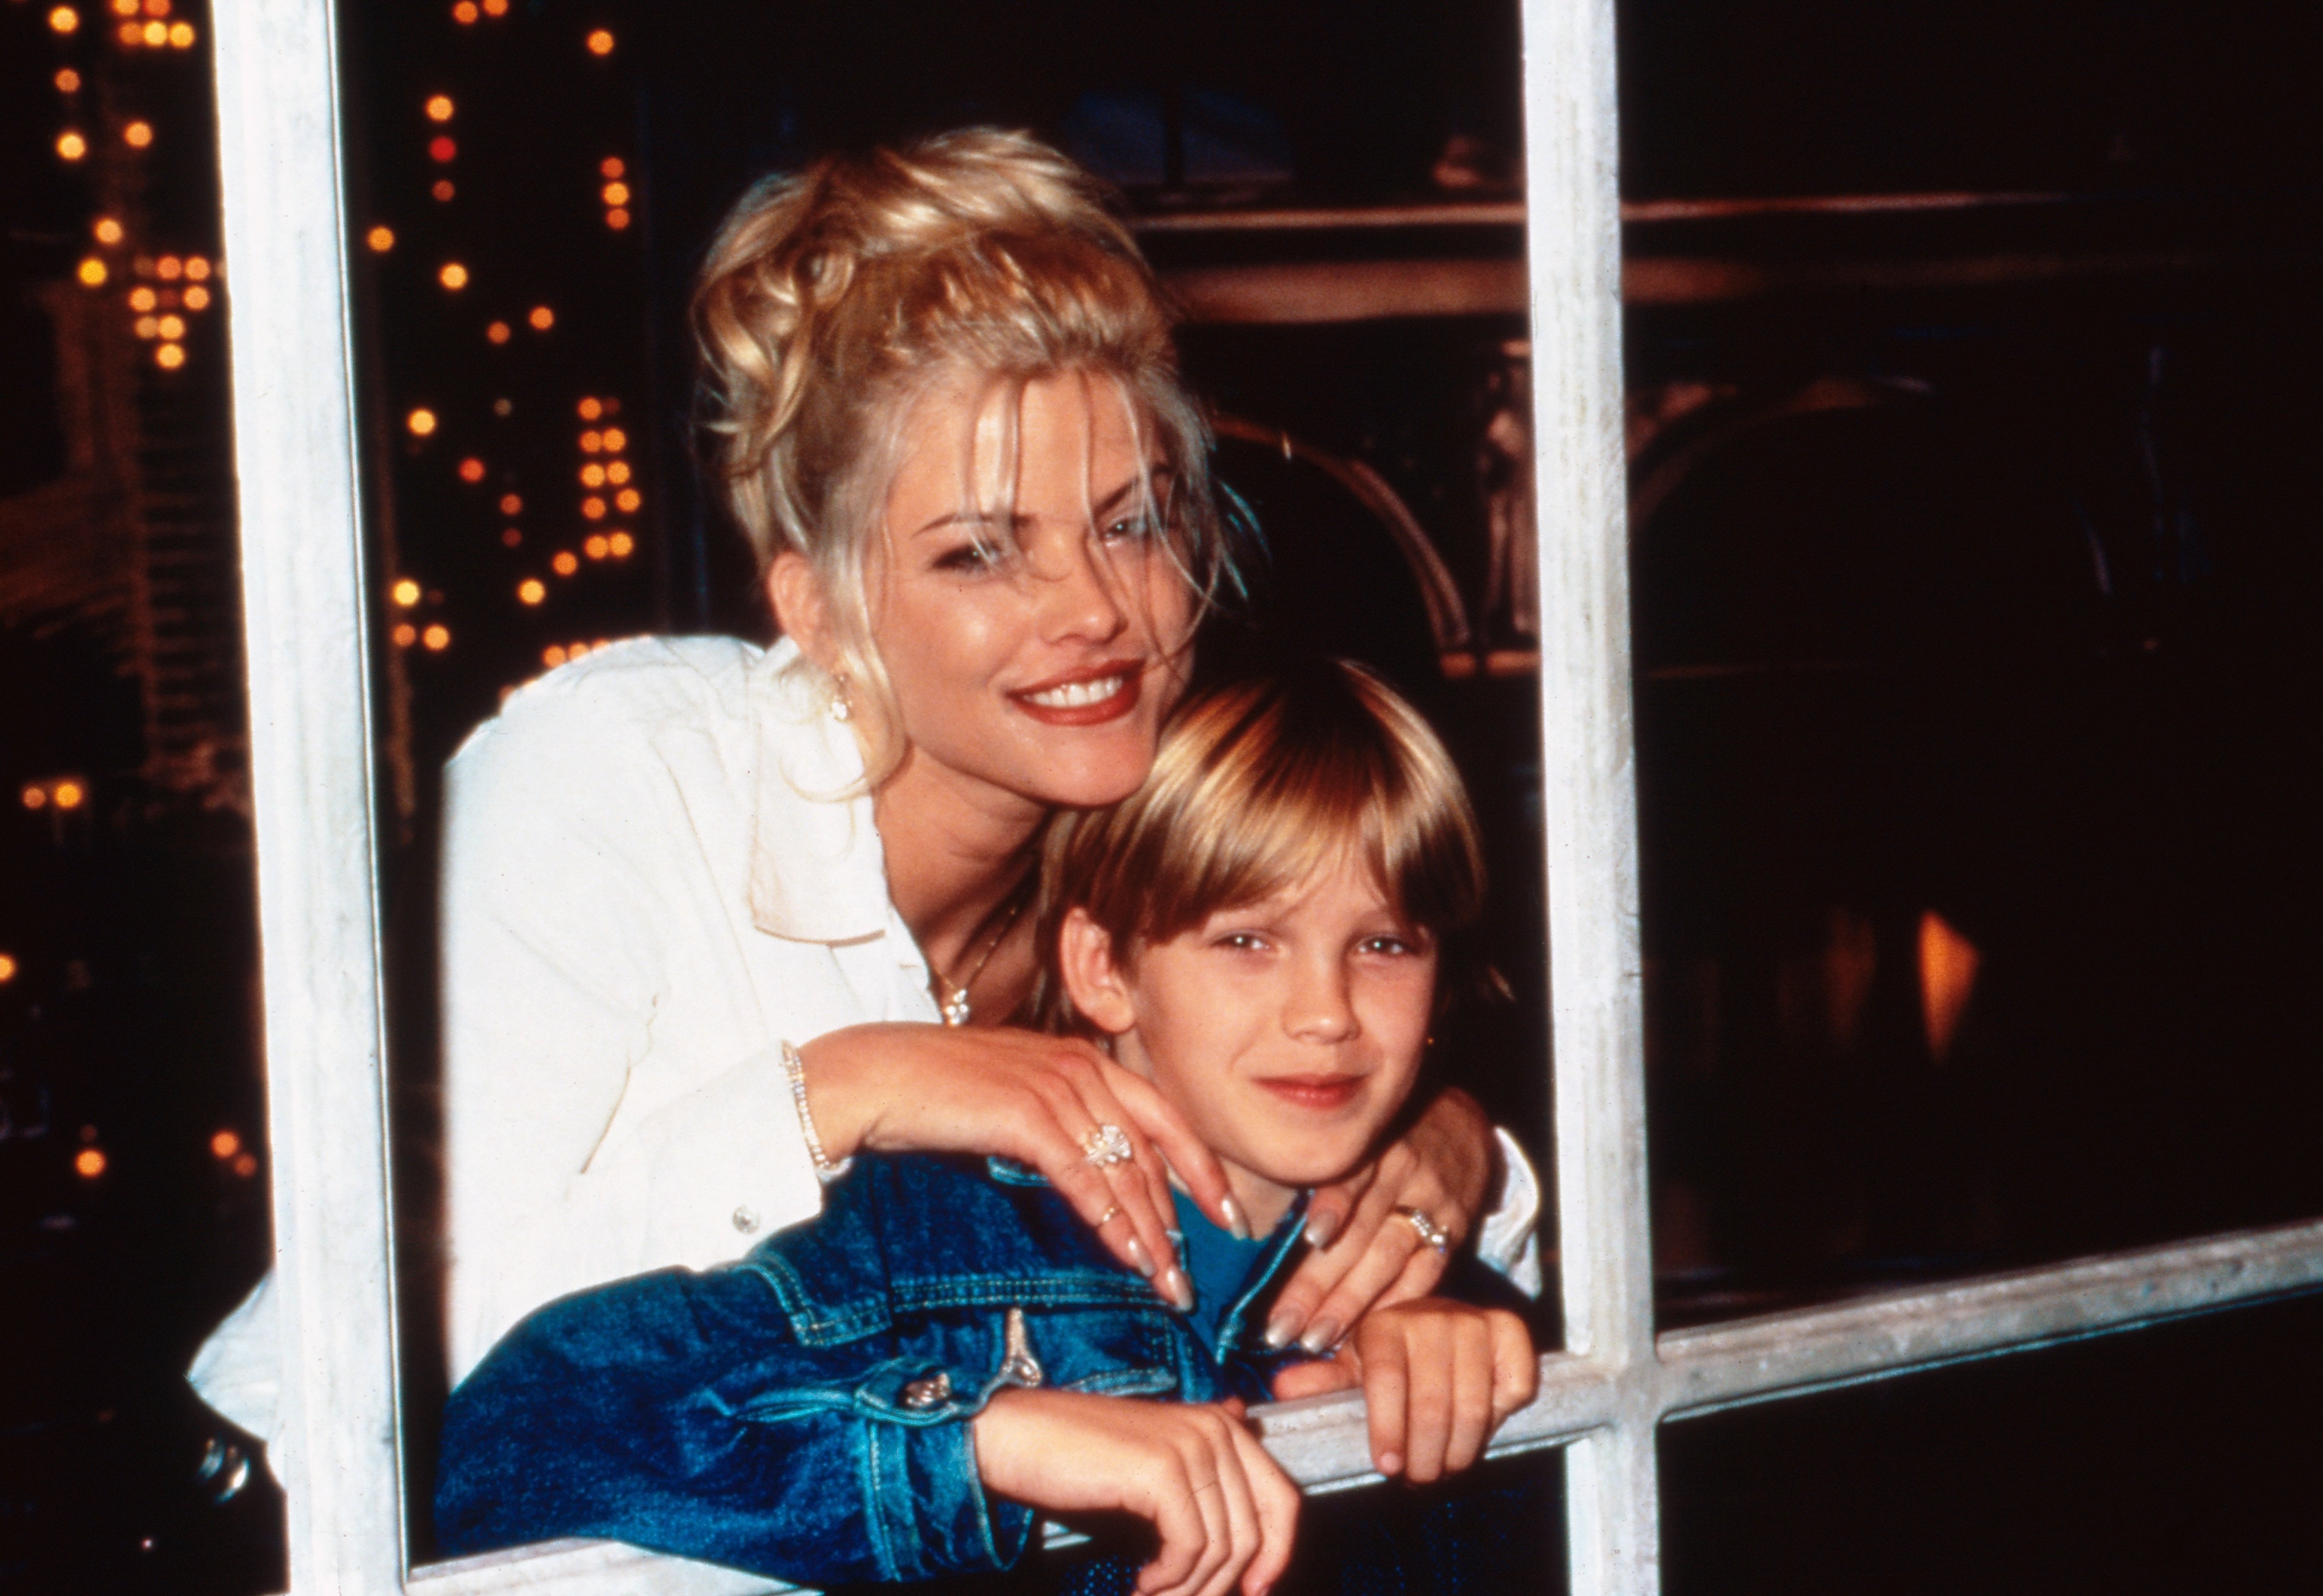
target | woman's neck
[{"x": 958, "y": 853}]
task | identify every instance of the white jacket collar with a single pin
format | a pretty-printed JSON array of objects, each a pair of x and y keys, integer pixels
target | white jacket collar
[{"x": 818, "y": 873}]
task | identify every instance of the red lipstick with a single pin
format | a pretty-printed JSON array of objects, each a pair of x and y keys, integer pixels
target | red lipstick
[{"x": 1121, "y": 701}]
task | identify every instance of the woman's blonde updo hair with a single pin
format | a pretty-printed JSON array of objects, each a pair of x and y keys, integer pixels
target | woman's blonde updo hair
[{"x": 835, "y": 298}]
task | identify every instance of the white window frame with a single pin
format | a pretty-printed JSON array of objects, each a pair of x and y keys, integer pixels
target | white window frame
[{"x": 306, "y": 611}]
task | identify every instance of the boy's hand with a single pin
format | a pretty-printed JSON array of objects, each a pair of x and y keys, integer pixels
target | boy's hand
[
  {"x": 1224, "y": 1509},
  {"x": 1438, "y": 1378}
]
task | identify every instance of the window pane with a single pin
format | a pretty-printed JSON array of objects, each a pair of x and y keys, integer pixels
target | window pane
[
  {"x": 1977, "y": 749},
  {"x": 2164, "y": 1459}
]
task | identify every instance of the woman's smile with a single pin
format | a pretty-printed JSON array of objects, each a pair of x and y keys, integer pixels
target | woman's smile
[{"x": 1088, "y": 698}]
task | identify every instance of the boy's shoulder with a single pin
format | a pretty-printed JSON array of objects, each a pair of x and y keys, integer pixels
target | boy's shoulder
[{"x": 913, "y": 1233}]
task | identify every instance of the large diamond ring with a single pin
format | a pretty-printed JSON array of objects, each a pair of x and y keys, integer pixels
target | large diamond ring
[
  {"x": 1433, "y": 1233},
  {"x": 1107, "y": 1145}
]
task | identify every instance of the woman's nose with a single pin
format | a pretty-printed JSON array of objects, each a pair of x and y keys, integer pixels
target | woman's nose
[
  {"x": 1075, "y": 590},
  {"x": 1320, "y": 1007}
]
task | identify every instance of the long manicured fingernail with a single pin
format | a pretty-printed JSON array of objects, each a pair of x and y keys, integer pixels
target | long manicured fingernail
[
  {"x": 1236, "y": 1222},
  {"x": 1280, "y": 1329},
  {"x": 1321, "y": 1336},
  {"x": 1139, "y": 1257},
  {"x": 1178, "y": 1290},
  {"x": 1321, "y": 1227}
]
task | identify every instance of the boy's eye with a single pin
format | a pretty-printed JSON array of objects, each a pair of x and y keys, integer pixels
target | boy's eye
[
  {"x": 1243, "y": 942},
  {"x": 1391, "y": 946}
]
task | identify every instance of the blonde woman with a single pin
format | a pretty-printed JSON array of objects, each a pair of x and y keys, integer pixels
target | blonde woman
[{"x": 716, "y": 918}]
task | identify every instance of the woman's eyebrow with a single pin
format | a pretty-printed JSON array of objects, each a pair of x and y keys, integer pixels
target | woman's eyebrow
[{"x": 1160, "y": 476}]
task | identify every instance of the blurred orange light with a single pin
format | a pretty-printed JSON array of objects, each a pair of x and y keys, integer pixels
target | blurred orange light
[
  {"x": 621, "y": 544},
  {"x": 197, "y": 268},
  {"x": 36, "y": 796},
  {"x": 542, "y": 319},
  {"x": 511, "y": 537},
  {"x": 590, "y": 409},
  {"x": 132, "y": 35},
  {"x": 170, "y": 267},
  {"x": 72, "y": 146},
  {"x": 7, "y": 968},
  {"x": 138, "y": 134},
  {"x": 92, "y": 272},
  {"x": 441, "y": 148},
  {"x": 510, "y": 504},
  {"x": 246, "y": 1165},
  {"x": 124, "y": 8},
  {"x": 443, "y": 190},
  {"x": 531, "y": 590},
  {"x": 88, "y": 1164},
  {"x": 610, "y": 166},
  {"x": 181, "y": 35},
  {"x": 616, "y": 440},
  {"x": 471, "y": 470},
  {"x": 617, "y": 473},
  {"x": 420, "y": 422},
  {"x": 172, "y": 327},
  {"x": 67, "y": 794},
  {"x": 141, "y": 299},
  {"x": 496, "y": 7},
  {"x": 381, "y": 238},
  {"x": 628, "y": 499},
  {"x": 552, "y": 656},
  {"x": 147, "y": 327},
  {"x": 617, "y": 219},
  {"x": 497, "y": 332},
  {"x": 68, "y": 81},
  {"x": 594, "y": 507},
  {"x": 565, "y": 564},
  {"x": 157, "y": 7},
  {"x": 170, "y": 356},
  {"x": 595, "y": 548},
  {"x": 591, "y": 441},
  {"x": 405, "y": 593},
  {"x": 157, "y": 33},
  {"x": 439, "y": 107},
  {"x": 617, "y": 194},
  {"x": 197, "y": 298},
  {"x": 225, "y": 1144},
  {"x": 600, "y": 43},
  {"x": 454, "y": 276},
  {"x": 437, "y": 639},
  {"x": 107, "y": 229},
  {"x": 593, "y": 475},
  {"x": 406, "y": 635},
  {"x": 64, "y": 19},
  {"x": 465, "y": 12}
]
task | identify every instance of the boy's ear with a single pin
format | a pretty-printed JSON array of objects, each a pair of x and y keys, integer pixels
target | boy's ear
[
  {"x": 1092, "y": 977},
  {"x": 802, "y": 607}
]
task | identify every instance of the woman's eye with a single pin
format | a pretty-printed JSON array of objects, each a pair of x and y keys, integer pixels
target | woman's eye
[
  {"x": 970, "y": 559},
  {"x": 1129, "y": 528}
]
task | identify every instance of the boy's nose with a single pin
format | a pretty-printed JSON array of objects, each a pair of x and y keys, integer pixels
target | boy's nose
[{"x": 1320, "y": 1008}]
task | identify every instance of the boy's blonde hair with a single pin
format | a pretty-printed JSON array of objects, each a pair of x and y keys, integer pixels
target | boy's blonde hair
[
  {"x": 835, "y": 299},
  {"x": 1256, "y": 785}
]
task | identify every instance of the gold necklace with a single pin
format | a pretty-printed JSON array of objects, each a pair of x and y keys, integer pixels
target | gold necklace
[{"x": 952, "y": 1001}]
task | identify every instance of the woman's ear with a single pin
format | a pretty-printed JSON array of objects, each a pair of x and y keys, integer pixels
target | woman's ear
[
  {"x": 1093, "y": 979},
  {"x": 801, "y": 607}
]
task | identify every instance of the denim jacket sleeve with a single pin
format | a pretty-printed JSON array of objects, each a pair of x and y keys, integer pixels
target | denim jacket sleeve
[{"x": 683, "y": 1413}]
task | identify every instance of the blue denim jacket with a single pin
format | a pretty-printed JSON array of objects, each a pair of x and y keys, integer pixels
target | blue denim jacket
[{"x": 803, "y": 1413}]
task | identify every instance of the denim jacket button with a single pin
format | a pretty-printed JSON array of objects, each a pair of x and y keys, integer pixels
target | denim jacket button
[
  {"x": 746, "y": 1220},
  {"x": 922, "y": 1394}
]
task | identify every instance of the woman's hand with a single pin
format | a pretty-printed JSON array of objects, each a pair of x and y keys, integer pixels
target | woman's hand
[
  {"x": 1035, "y": 1098},
  {"x": 1438, "y": 1378},
  {"x": 1364, "y": 1254},
  {"x": 1224, "y": 1509}
]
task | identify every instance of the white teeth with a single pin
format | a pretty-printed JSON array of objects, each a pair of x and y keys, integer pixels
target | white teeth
[{"x": 1073, "y": 695}]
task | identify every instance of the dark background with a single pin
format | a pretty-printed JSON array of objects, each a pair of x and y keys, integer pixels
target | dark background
[{"x": 1974, "y": 577}]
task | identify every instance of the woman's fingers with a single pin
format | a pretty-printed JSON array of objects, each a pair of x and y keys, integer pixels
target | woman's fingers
[
  {"x": 1328, "y": 1209},
  {"x": 1203, "y": 1178}
]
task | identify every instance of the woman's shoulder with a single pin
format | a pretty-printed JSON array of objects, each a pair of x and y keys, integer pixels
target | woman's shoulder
[{"x": 643, "y": 687}]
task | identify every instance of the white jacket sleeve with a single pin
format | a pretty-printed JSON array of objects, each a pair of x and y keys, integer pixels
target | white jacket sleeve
[{"x": 581, "y": 1145}]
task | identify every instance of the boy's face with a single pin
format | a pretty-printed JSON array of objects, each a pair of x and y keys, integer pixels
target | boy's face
[{"x": 1288, "y": 1032}]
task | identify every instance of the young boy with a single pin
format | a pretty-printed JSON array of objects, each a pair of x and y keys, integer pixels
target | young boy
[{"x": 897, "y": 1390}]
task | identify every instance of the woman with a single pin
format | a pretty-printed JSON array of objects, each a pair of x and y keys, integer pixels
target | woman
[{"x": 717, "y": 918}]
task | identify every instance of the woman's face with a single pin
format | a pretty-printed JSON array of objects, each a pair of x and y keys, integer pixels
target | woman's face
[{"x": 1033, "y": 649}]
